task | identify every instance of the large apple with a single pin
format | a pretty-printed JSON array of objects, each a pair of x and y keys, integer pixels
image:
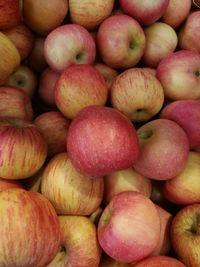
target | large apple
[
  {"x": 91, "y": 13},
  {"x": 10, "y": 13},
  {"x": 30, "y": 234},
  {"x": 42, "y": 17},
  {"x": 79, "y": 86},
  {"x": 73, "y": 193},
  {"x": 185, "y": 237},
  {"x": 23, "y": 148},
  {"x": 179, "y": 74},
  {"x": 67, "y": 45},
  {"x": 146, "y": 12},
  {"x": 164, "y": 149},
  {"x": 129, "y": 227},
  {"x": 161, "y": 40},
  {"x": 101, "y": 140},
  {"x": 160, "y": 261},
  {"x": 138, "y": 105},
  {"x": 79, "y": 246},
  {"x": 121, "y": 41}
]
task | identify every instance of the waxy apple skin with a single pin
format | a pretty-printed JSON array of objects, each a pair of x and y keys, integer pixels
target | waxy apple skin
[
  {"x": 30, "y": 234},
  {"x": 101, "y": 140}
]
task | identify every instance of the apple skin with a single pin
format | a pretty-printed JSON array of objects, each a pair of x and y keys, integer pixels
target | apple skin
[
  {"x": 175, "y": 19},
  {"x": 54, "y": 127},
  {"x": 189, "y": 34},
  {"x": 101, "y": 140},
  {"x": 184, "y": 188},
  {"x": 32, "y": 241},
  {"x": 79, "y": 86},
  {"x": 107, "y": 261},
  {"x": 187, "y": 114},
  {"x": 145, "y": 12},
  {"x": 90, "y": 14},
  {"x": 159, "y": 261},
  {"x": 74, "y": 193},
  {"x": 164, "y": 149},
  {"x": 33, "y": 183},
  {"x": 179, "y": 74},
  {"x": 23, "y": 78},
  {"x": 10, "y": 13},
  {"x": 6, "y": 184},
  {"x": 79, "y": 244},
  {"x": 95, "y": 216},
  {"x": 125, "y": 180},
  {"x": 15, "y": 103},
  {"x": 22, "y": 37},
  {"x": 67, "y": 45},
  {"x": 23, "y": 148},
  {"x": 137, "y": 105},
  {"x": 185, "y": 235},
  {"x": 10, "y": 58},
  {"x": 129, "y": 227},
  {"x": 121, "y": 41},
  {"x": 41, "y": 17},
  {"x": 161, "y": 41}
]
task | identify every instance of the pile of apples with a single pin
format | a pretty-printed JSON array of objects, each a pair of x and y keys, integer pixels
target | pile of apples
[{"x": 99, "y": 133}]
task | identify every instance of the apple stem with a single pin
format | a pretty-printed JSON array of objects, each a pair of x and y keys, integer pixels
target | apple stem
[{"x": 195, "y": 229}]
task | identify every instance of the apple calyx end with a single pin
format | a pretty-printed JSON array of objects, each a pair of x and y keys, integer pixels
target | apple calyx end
[{"x": 145, "y": 134}]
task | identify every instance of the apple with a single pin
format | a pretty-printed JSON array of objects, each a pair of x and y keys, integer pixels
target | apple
[
  {"x": 160, "y": 261},
  {"x": 185, "y": 235},
  {"x": 137, "y": 105},
  {"x": 22, "y": 37},
  {"x": 175, "y": 19},
  {"x": 91, "y": 13},
  {"x": 107, "y": 261},
  {"x": 196, "y": 3},
  {"x": 129, "y": 227},
  {"x": 23, "y": 148},
  {"x": 34, "y": 236},
  {"x": 164, "y": 149},
  {"x": 121, "y": 41},
  {"x": 125, "y": 180},
  {"x": 23, "y": 78},
  {"x": 184, "y": 189},
  {"x": 189, "y": 34},
  {"x": 101, "y": 140},
  {"x": 161, "y": 41},
  {"x": 95, "y": 216},
  {"x": 41, "y": 17},
  {"x": 151, "y": 70},
  {"x": 10, "y": 13},
  {"x": 73, "y": 193},
  {"x": 187, "y": 114},
  {"x": 6, "y": 184},
  {"x": 179, "y": 74},
  {"x": 79, "y": 245},
  {"x": 108, "y": 73},
  {"x": 67, "y": 45},
  {"x": 33, "y": 183},
  {"x": 10, "y": 58},
  {"x": 46, "y": 86},
  {"x": 15, "y": 103},
  {"x": 54, "y": 126},
  {"x": 146, "y": 12},
  {"x": 79, "y": 86}
]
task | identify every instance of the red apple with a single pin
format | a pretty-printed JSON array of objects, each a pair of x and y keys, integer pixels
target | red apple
[
  {"x": 73, "y": 193},
  {"x": 79, "y": 244},
  {"x": 15, "y": 103},
  {"x": 179, "y": 74},
  {"x": 6, "y": 184},
  {"x": 23, "y": 148},
  {"x": 164, "y": 149},
  {"x": 160, "y": 261},
  {"x": 79, "y": 86},
  {"x": 101, "y": 140},
  {"x": 145, "y": 12},
  {"x": 54, "y": 126},
  {"x": 33, "y": 237},
  {"x": 137, "y": 105},
  {"x": 120, "y": 41},
  {"x": 67, "y": 45},
  {"x": 185, "y": 235},
  {"x": 10, "y": 13},
  {"x": 42, "y": 17},
  {"x": 23, "y": 78},
  {"x": 161, "y": 41},
  {"x": 129, "y": 227},
  {"x": 91, "y": 13}
]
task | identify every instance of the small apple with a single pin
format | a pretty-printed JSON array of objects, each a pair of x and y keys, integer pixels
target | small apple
[
  {"x": 160, "y": 261},
  {"x": 10, "y": 13}
]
